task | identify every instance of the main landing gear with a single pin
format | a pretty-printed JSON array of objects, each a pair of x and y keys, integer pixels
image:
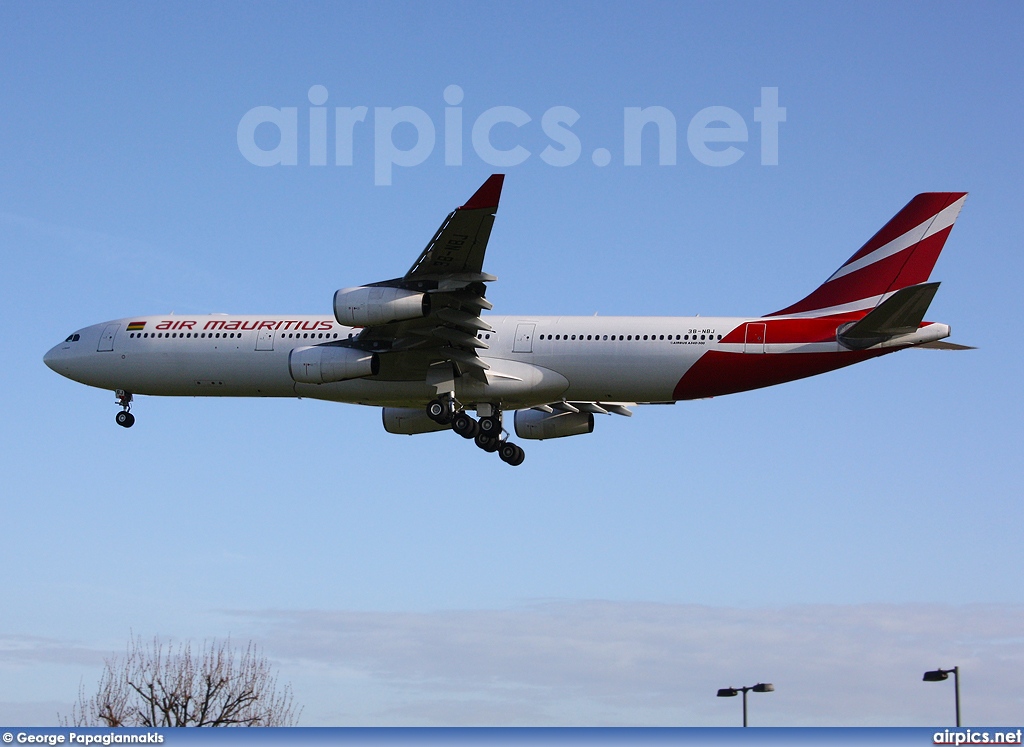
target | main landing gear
[
  {"x": 125, "y": 419},
  {"x": 487, "y": 432}
]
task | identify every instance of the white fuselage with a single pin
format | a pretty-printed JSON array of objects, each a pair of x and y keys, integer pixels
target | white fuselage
[{"x": 532, "y": 359}]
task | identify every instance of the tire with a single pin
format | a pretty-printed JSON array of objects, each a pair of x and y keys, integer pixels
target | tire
[
  {"x": 436, "y": 410},
  {"x": 490, "y": 425},
  {"x": 509, "y": 452},
  {"x": 487, "y": 443},
  {"x": 465, "y": 425},
  {"x": 125, "y": 419}
]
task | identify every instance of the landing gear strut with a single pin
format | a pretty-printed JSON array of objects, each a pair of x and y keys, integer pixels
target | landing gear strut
[{"x": 125, "y": 419}]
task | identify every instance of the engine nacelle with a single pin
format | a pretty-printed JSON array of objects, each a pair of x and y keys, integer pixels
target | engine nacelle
[
  {"x": 409, "y": 421},
  {"x": 364, "y": 306},
  {"x": 540, "y": 425},
  {"x": 323, "y": 364}
]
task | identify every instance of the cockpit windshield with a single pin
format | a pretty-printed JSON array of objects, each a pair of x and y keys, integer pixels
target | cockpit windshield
[{"x": 73, "y": 338}]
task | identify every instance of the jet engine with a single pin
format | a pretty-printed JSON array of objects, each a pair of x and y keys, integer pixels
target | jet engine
[
  {"x": 364, "y": 306},
  {"x": 540, "y": 425},
  {"x": 323, "y": 364},
  {"x": 409, "y": 421}
]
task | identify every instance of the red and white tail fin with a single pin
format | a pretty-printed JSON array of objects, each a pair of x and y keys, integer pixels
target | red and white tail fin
[{"x": 902, "y": 254}]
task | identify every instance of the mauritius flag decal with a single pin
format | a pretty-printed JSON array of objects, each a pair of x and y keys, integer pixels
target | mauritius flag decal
[{"x": 136, "y": 326}]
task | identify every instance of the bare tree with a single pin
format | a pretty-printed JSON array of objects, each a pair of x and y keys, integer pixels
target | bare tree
[{"x": 159, "y": 685}]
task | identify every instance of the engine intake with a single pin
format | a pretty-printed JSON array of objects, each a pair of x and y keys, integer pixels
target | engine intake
[
  {"x": 364, "y": 306},
  {"x": 539, "y": 425},
  {"x": 324, "y": 364}
]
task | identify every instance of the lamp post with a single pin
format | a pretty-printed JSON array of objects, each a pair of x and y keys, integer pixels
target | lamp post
[
  {"x": 938, "y": 675},
  {"x": 731, "y": 692}
]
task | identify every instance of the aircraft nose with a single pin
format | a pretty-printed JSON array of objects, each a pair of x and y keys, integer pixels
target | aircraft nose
[{"x": 52, "y": 357}]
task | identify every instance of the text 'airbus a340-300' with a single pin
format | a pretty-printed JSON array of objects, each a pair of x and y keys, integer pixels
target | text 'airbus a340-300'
[{"x": 420, "y": 347}]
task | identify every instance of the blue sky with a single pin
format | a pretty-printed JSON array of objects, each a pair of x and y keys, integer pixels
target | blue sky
[{"x": 869, "y": 516}]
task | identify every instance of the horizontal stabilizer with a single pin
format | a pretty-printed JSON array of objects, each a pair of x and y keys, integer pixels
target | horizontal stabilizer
[
  {"x": 943, "y": 345},
  {"x": 900, "y": 314}
]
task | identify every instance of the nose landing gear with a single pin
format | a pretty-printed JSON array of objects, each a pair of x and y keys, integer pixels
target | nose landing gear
[{"x": 125, "y": 419}]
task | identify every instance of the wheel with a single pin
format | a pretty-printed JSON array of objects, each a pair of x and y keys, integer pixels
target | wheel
[
  {"x": 125, "y": 419},
  {"x": 465, "y": 425},
  {"x": 509, "y": 452},
  {"x": 487, "y": 443},
  {"x": 491, "y": 425},
  {"x": 512, "y": 454},
  {"x": 439, "y": 411},
  {"x": 436, "y": 410}
]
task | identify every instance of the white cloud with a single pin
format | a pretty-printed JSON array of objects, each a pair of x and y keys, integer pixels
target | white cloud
[
  {"x": 641, "y": 663},
  {"x": 21, "y": 650},
  {"x": 608, "y": 663}
]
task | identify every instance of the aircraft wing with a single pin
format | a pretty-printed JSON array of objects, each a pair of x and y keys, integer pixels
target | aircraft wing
[
  {"x": 449, "y": 271},
  {"x": 457, "y": 250}
]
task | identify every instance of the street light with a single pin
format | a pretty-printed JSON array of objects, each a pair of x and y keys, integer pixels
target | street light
[
  {"x": 732, "y": 692},
  {"x": 938, "y": 675}
]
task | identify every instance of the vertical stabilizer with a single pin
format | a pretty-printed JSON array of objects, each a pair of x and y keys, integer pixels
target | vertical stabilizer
[{"x": 902, "y": 254}]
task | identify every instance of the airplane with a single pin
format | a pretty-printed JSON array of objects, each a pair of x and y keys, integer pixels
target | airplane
[{"x": 419, "y": 347}]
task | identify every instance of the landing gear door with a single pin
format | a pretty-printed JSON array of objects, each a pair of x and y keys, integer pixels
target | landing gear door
[
  {"x": 524, "y": 338},
  {"x": 265, "y": 339},
  {"x": 106, "y": 343}
]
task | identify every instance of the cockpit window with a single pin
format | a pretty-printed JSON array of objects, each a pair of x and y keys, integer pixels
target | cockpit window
[{"x": 73, "y": 338}]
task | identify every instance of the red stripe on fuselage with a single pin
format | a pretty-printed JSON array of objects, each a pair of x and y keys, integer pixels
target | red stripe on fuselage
[
  {"x": 717, "y": 373},
  {"x": 795, "y": 330}
]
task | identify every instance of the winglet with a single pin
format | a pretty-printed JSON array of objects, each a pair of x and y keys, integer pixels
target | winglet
[{"x": 488, "y": 194}]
